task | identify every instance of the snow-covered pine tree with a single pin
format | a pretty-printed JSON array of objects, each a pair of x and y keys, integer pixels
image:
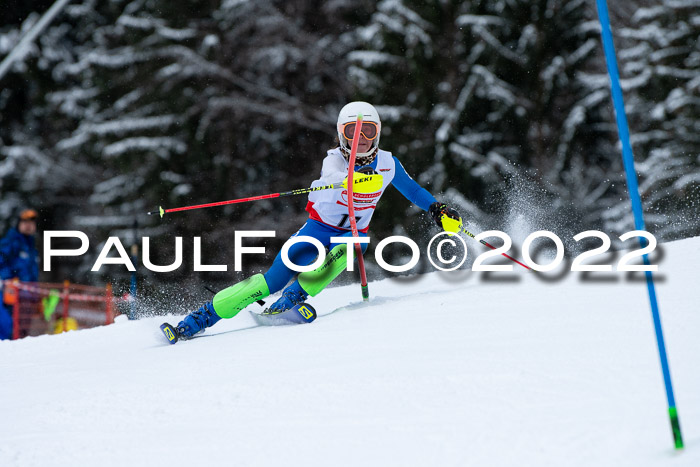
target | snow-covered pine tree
[
  {"x": 30, "y": 172},
  {"x": 490, "y": 97},
  {"x": 659, "y": 55},
  {"x": 180, "y": 104}
]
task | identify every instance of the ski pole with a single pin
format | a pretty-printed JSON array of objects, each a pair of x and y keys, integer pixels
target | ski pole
[
  {"x": 299, "y": 191},
  {"x": 351, "y": 207},
  {"x": 493, "y": 248}
]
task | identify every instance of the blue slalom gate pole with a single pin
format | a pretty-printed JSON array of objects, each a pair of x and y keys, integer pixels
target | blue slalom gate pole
[{"x": 633, "y": 187}]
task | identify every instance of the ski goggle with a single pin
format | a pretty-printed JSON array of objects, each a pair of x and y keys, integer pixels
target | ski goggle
[{"x": 370, "y": 130}]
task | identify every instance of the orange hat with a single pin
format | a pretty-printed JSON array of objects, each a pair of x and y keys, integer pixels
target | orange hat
[{"x": 28, "y": 215}]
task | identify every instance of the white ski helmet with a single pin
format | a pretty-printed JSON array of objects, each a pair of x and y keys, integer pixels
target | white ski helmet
[{"x": 348, "y": 114}]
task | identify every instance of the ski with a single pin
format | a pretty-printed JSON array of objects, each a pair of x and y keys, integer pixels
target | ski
[{"x": 298, "y": 314}]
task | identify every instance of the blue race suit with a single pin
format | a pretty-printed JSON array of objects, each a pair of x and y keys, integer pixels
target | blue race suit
[{"x": 304, "y": 253}]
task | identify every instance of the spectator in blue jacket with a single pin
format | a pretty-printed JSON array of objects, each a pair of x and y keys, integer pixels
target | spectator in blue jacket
[{"x": 19, "y": 259}]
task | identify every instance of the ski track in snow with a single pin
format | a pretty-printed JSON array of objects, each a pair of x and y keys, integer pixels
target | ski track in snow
[{"x": 440, "y": 369}]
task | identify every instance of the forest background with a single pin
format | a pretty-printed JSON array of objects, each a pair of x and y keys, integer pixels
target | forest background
[{"x": 501, "y": 108}]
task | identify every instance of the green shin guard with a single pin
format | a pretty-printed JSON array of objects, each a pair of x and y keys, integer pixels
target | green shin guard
[
  {"x": 228, "y": 302},
  {"x": 314, "y": 281}
]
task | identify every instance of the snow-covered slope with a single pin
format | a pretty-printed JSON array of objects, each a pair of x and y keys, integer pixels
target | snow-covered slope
[{"x": 440, "y": 369}]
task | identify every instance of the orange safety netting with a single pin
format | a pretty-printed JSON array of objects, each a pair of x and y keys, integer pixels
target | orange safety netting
[{"x": 45, "y": 308}]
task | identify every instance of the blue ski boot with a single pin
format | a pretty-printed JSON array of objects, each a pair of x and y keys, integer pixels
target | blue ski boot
[
  {"x": 291, "y": 296},
  {"x": 197, "y": 321}
]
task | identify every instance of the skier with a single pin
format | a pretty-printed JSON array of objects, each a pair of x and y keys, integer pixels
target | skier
[{"x": 328, "y": 217}]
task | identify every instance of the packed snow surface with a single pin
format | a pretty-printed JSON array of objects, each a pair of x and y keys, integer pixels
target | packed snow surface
[{"x": 440, "y": 369}]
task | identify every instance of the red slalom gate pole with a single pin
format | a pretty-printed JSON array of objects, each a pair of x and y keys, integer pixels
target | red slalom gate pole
[{"x": 351, "y": 207}]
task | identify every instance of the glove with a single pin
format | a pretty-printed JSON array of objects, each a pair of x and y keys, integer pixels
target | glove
[{"x": 445, "y": 217}]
